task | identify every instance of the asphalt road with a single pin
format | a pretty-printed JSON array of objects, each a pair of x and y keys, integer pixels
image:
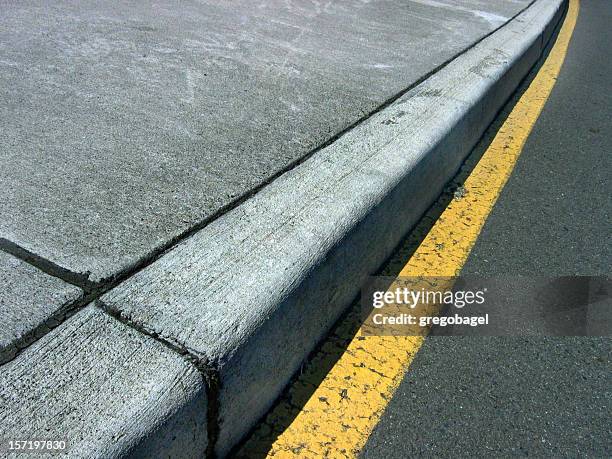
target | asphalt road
[{"x": 500, "y": 397}]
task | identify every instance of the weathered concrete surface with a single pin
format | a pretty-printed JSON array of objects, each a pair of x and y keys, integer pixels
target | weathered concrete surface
[
  {"x": 252, "y": 293},
  {"x": 123, "y": 127},
  {"x": 30, "y": 302},
  {"x": 105, "y": 389}
]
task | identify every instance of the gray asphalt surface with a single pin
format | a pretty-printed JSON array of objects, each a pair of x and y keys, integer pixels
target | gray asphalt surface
[
  {"x": 123, "y": 128},
  {"x": 551, "y": 397}
]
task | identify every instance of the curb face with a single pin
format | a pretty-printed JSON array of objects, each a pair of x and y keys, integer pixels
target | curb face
[{"x": 250, "y": 295}]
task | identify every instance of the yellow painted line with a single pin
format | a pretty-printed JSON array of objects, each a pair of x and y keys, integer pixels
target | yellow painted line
[{"x": 333, "y": 406}]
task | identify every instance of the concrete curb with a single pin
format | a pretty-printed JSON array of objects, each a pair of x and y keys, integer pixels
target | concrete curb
[
  {"x": 106, "y": 391},
  {"x": 252, "y": 294},
  {"x": 247, "y": 298}
]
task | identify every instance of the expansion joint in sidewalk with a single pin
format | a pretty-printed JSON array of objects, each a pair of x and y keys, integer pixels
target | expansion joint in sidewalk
[{"x": 209, "y": 372}]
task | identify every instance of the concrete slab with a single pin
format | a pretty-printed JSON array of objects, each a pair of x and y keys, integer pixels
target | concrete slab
[
  {"x": 105, "y": 389},
  {"x": 30, "y": 302},
  {"x": 125, "y": 126},
  {"x": 252, "y": 293}
]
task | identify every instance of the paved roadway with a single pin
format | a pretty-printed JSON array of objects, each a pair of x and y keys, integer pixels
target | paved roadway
[
  {"x": 499, "y": 397},
  {"x": 122, "y": 129}
]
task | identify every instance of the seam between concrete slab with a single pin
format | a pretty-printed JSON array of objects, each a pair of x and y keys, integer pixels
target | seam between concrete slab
[
  {"x": 209, "y": 373},
  {"x": 46, "y": 266},
  {"x": 55, "y": 320},
  {"x": 62, "y": 314}
]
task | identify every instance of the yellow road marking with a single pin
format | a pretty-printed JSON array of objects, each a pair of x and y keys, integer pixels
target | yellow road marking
[{"x": 330, "y": 412}]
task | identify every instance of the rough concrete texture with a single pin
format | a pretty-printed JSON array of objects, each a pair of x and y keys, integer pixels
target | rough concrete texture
[
  {"x": 105, "y": 389},
  {"x": 124, "y": 126},
  {"x": 30, "y": 302},
  {"x": 253, "y": 292}
]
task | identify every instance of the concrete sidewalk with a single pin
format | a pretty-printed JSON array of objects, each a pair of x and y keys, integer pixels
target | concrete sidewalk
[
  {"x": 124, "y": 133},
  {"x": 125, "y": 127}
]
